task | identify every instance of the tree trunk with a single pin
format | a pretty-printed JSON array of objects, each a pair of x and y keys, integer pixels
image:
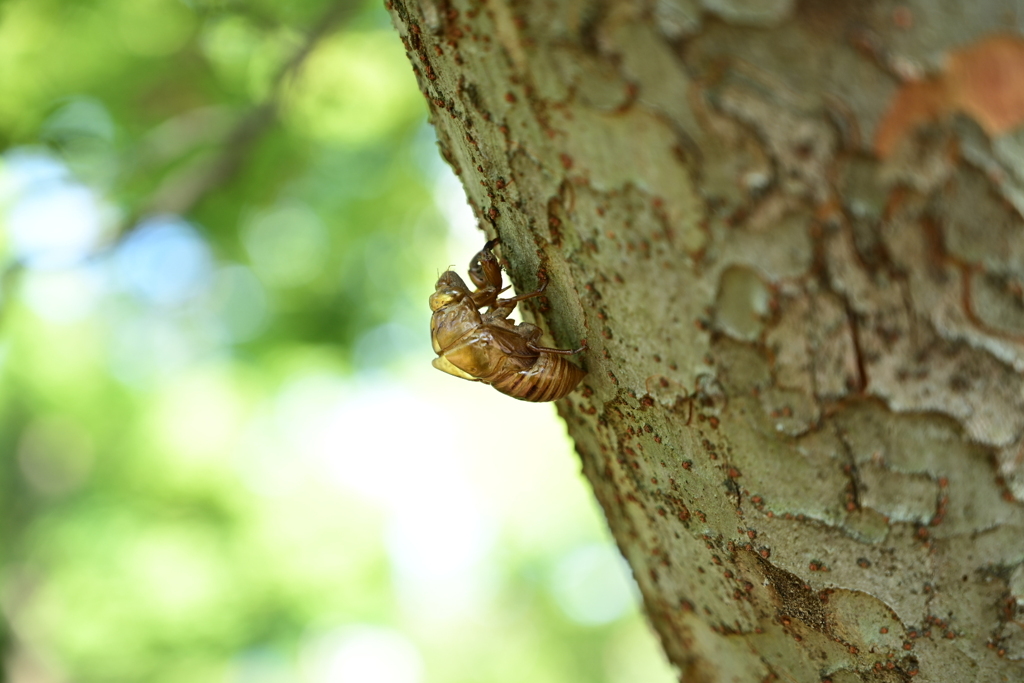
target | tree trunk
[{"x": 791, "y": 234}]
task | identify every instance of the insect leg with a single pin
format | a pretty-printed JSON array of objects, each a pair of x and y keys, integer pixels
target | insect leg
[
  {"x": 504, "y": 307},
  {"x": 558, "y": 352},
  {"x": 485, "y": 296},
  {"x": 529, "y": 332},
  {"x": 530, "y": 295},
  {"x": 484, "y": 269}
]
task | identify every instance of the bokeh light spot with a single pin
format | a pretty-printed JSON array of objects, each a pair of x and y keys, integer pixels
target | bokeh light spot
[
  {"x": 350, "y": 90},
  {"x": 154, "y": 28},
  {"x": 362, "y": 654},
  {"x": 64, "y": 296},
  {"x": 288, "y": 245},
  {"x": 165, "y": 261},
  {"x": 52, "y": 222},
  {"x": 591, "y": 585},
  {"x": 55, "y": 454},
  {"x": 22, "y": 169},
  {"x": 240, "y": 303},
  {"x": 180, "y": 571},
  {"x": 230, "y": 43},
  {"x": 198, "y": 416},
  {"x": 79, "y": 117}
]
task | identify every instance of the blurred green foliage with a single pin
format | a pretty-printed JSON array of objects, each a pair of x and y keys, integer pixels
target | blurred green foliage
[{"x": 219, "y": 222}]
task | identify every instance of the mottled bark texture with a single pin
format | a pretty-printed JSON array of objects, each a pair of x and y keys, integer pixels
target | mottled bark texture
[{"x": 791, "y": 233}]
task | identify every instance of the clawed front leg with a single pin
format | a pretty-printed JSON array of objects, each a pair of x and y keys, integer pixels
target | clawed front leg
[
  {"x": 485, "y": 272},
  {"x": 484, "y": 269}
]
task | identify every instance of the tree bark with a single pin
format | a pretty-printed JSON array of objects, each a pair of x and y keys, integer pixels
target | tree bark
[{"x": 792, "y": 236}]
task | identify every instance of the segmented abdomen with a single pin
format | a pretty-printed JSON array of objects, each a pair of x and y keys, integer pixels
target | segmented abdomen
[{"x": 549, "y": 379}]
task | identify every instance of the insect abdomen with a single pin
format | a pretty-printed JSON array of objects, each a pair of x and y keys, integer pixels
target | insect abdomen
[{"x": 552, "y": 377}]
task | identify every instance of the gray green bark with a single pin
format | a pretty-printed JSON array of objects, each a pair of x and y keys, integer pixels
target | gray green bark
[{"x": 805, "y": 406}]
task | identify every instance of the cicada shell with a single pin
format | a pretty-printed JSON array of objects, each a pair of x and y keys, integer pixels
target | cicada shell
[{"x": 488, "y": 347}]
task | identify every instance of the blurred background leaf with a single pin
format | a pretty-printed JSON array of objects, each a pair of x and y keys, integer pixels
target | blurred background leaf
[{"x": 223, "y": 453}]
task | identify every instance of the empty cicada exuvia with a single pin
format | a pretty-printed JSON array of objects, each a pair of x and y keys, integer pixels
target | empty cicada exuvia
[{"x": 488, "y": 347}]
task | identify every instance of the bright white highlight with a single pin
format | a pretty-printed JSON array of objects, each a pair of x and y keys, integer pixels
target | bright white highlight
[
  {"x": 592, "y": 585},
  {"x": 52, "y": 222},
  {"x": 362, "y": 654}
]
